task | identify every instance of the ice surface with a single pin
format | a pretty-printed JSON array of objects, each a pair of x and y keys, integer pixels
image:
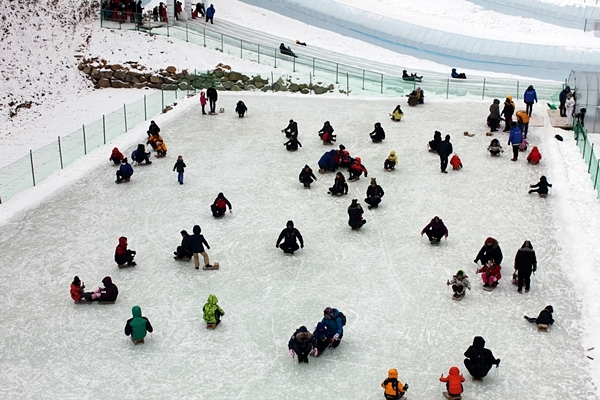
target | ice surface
[{"x": 388, "y": 281}]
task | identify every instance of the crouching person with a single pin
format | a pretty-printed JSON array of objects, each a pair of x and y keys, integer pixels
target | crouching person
[
  {"x": 123, "y": 255},
  {"x": 301, "y": 344},
  {"x": 219, "y": 206},
  {"x": 212, "y": 312},
  {"x": 138, "y": 326},
  {"x": 393, "y": 388},
  {"x": 184, "y": 252},
  {"x": 124, "y": 172},
  {"x": 459, "y": 283}
]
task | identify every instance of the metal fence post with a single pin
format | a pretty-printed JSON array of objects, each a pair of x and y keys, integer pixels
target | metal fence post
[
  {"x": 275, "y": 59},
  {"x": 145, "y": 111},
  {"x": 583, "y": 152},
  {"x": 337, "y": 66},
  {"x": 597, "y": 170},
  {"x": 222, "y": 45},
  {"x": 447, "y": 87},
  {"x": 104, "y": 128},
  {"x": 258, "y": 50},
  {"x": 125, "y": 116},
  {"x": 517, "y": 90},
  {"x": 585, "y": 24},
  {"x": 241, "y": 48},
  {"x": 84, "y": 141},
  {"x": 591, "y": 153},
  {"x": 381, "y": 83},
  {"x": 204, "y": 35},
  {"x": 313, "y": 66},
  {"x": 347, "y": 85},
  {"x": 363, "y": 87},
  {"x": 60, "y": 154},
  {"x": 168, "y": 29},
  {"x": 294, "y": 65},
  {"x": 483, "y": 93},
  {"x": 272, "y": 82},
  {"x": 32, "y": 170},
  {"x": 162, "y": 96},
  {"x": 186, "y": 33}
]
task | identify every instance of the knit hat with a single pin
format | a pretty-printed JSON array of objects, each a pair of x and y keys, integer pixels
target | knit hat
[
  {"x": 328, "y": 311},
  {"x": 549, "y": 309},
  {"x": 373, "y": 181}
]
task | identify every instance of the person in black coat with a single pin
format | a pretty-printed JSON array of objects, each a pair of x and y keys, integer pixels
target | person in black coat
[
  {"x": 326, "y": 133},
  {"x": 291, "y": 129},
  {"x": 374, "y": 194},
  {"x": 110, "y": 290},
  {"x": 322, "y": 339},
  {"x": 219, "y": 206},
  {"x": 141, "y": 155},
  {"x": 340, "y": 186},
  {"x": 197, "y": 244},
  {"x": 541, "y": 187},
  {"x": 444, "y": 149},
  {"x": 545, "y": 317},
  {"x": 241, "y": 109},
  {"x": 293, "y": 143},
  {"x": 200, "y": 9},
  {"x": 355, "y": 212},
  {"x": 435, "y": 230},
  {"x": 479, "y": 360},
  {"x": 433, "y": 144},
  {"x": 213, "y": 96},
  {"x": 289, "y": 236},
  {"x": 489, "y": 251},
  {"x": 306, "y": 176},
  {"x": 378, "y": 134},
  {"x": 301, "y": 344},
  {"x": 286, "y": 50},
  {"x": 508, "y": 111},
  {"x": 493, "y": 119},
  {"x": 525, "y": 264},
  {"x": 184, "y": 250}
]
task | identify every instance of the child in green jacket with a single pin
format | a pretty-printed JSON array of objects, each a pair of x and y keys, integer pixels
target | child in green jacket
[{"x": 212, "y": 311}]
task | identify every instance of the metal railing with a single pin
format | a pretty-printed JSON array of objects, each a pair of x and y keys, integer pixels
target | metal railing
[{"x": 587, "y": 151}]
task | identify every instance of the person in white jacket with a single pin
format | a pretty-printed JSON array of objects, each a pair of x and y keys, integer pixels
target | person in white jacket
[{"x": 570, "y": 105}]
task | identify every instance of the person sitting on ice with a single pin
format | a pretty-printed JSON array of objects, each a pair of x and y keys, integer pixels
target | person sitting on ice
[
  {"x": 459, "y": 282},
  {"x": 301, "y": 344},
  {"x": 161, "y": 149},
  {"x": 124, "y": 172},
  {"x": 335, "y": 325},
  {"x": 433, "y": 144},
  {"x": 306, "y": 176},
  {"x": 291, "y": 129},
  {"x": 241, "y": 109},
  {"x": 456, "y": 75},
  {"x": 393, "y": 388},
  {"x": 322, "y": 339},
  {"x": 454, "y": 382},
  {"x": 293, "y": 143},
  {"x": 356, "y": 170},
  {"x": 541, "y": 187},
  {"x": 391, "y": 161},
  {"x": 184, "y": 250},
  {"x": 326, "y": 133},
  {"x": 544, "y": 318},
  {"x": 378, "y": 134},
  {"x": 420, "y": 95},
  {"x": 77, "y": 291},
  {"x": 397, "y": 114},
  {"x": 374, "y": 194},
  {"x": 138, "y": 326},
  {"x": 212, "y": 313},
  {"x": 479, "y": 360},
  {"x": 123, "y": 255},
  {"x": 116, "y": 156},
  {"x": 490, "y": 273},
  {"x": 435, "y": 230},
  {"x": 495, "y": 148},
  {"x": 299, "y": 43},
  {"x": 140, "y": 155},
  {"x": 289, "y": 235},
  {"x": 327, "y": 162},
  {"x": 489, "y": 250},
  {"x": 286, "y": 50},
  {"x": 153, "y": 129},
  {"x": 534, "y": 157},
  {"x": 219, "y": 206},
  {"x": 355, "y": 215},
  {"x": 412, "y": 77},
  {"x": 523, "y": 145},
  {"x": 108, "y": 293},
  {"x": 153, "y": 140},
  {"x": 345, "y": 159},
  {"x": 456, "y": 162},
  {"x": 340, "y": 187}
]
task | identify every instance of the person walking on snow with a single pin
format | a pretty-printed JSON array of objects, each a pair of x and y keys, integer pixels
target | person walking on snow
[
  {"x": 197, "y": 244},
  {"x": 138, "y": 326},
  {"x": 515, "y": 138},
  {"x": 393, "y": 388},
  {"x": 508, "y": 111},
  {"x": 213, "y": 96},
  {"x": 289, "y": 236},
  {"x": 479, "y": 360},
  {"x": 179, "y": 166},
  {"x": 529, "y": 97},
  {"x": 240, "y": 109},
  {"x": 203, "y": 101},
  {"x": 210, "y": 13},
  {"x": 562, "y": 98},
  {"x": 490, "y": 249},
  {"x": 569, "y": 106},
  {"x": 493, "y": 119},
  {"x": 435, "y": 230},
  {"x": 525, "y": 264},
  {"x": 444, "y": 149}
]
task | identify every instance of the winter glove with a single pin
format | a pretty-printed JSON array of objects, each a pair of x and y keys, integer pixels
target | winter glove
[
  {"x": 336, "y": 336},
  {"x": 208, "y": 247},
  {"x": 534, "y": 269},
  {"x": 405, "y": 388},
  {"x": 302, "y": 246},
  {"x": 292, "y": 352},
  {"x": 315, "y": 352},
  {"x": 497, "y": 362},
  {"x": 277, "y": 245}
]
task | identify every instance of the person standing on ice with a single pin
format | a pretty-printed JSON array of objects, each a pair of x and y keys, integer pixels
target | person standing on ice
[
  {"x": 301, "y": 344},
  {"x": 508, "y": 111},
  {"x": 444, "y": 149},
  {"x": 289, "y": 236},
  {"x": 529, "y": 97},
  {"x": 123, "y": 255},
  {"x": 374, "y": 194},
  {"x": 138, "y": 326},
  {"x": 393, "y": 388},
  {"x": 493, "y": 119},
  {"x": 335, "y": 325},
  {"x": 562, "y": 98},
  {"x": 180, "y": 167},
  {"x": 203, "y": 102},
  {"x": 569, "y": 106},
  {"x": 355, "y": 215},
  {"x": 210, "y": 13},
  {"x": 435, "y": 230},
  {"x": 240, "y": 109},
  {"x": 197, "y": 244},
  {"x": 459, "y": 282},
  {"x": 213, "y": 96},
  {"x": 515, "y": 138},
  {"x": 525, "y": 264},
  {"x": 306, "y": 176},
  {"x": 479, "y": 360},
  {"x": 490, "y": 249}
]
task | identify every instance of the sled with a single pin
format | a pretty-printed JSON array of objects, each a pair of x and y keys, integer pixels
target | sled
[
  {"x": 450, "y": 397},
  {"x": 182, "y": 259},
  {"x": 469, "y": 134},
  {"x": 543, "y": 328},
  {"x": 105, "y": 302},
  {"x": 459, "y": 298},
  {"x": 160, "y": 156},
  {"x": 543, "y": 196},
  {"x": 136, "y": 342},
  {"x": 221, "y": 110},
  {"x": 489, "y": 134},
  {"x": 121, "y": 266},
  {"x": 211, "y": 326},
  {"x": 490, "y": 288},
  {"x": 435, "y": 242},
  {"x": 82, "y": 301},
  {"x": 215, "y": 266},
  {"x": 123, "y": 181}
]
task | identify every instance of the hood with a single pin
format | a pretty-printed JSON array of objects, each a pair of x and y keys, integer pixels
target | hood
[
  {"x": 509, "y": 98},
  {"x": 212, "y": 299},
  {"x": 116, "y": 150},
  {"x": 549, "y": 309},
  {"x": 568, "y": 88},
  {"x": 290, "y": 224},
  {"x": 123, "y": 241},
  {"x": 202, "y": 94},
  {"x": 220, "y": 195},
  {"x": 136, "y": 311},
  {"x": 496, "y": 101},
  {"x": 197, "y": 229},
  {"x": 543, "y": 179},
  {"x": 393, "y": 373},
  {"x": 332, "y": 153},
  {"x": 302, "y": 329},
  {"x": 492, "y": 240},
  {"x": 393, "y": 153},
  {"x": 433, "y": 220},
  {"x": 535, "y": 149},
  {"x": 478, "y": 342},
  {"x": 530, "y": 87},
  {"x": 527, "y": 244},
  {"x": 454, "y": 371},
  {"x": 358, "y": 160},
  {"x": 453, "y": 69},
  {"x": 320, "y": 326},
  {"x": 447, "y": 138},
  {"x": 107, "y": 281}
]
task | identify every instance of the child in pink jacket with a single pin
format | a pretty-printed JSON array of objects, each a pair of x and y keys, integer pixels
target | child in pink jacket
[{"x": 203, "y": 101}]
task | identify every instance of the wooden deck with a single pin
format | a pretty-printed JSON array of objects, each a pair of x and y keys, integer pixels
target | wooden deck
[{"x": 557, "y": 121}]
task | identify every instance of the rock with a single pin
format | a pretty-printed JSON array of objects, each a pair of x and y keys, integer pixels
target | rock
[
  {"x": 236, "y": 88},
  {"x": 226, "y": 73},
  {"x": 266, "y": 88},
  {"x": 218, "y": 73},
  {"x": 115, "y": 67},
  {"x": 104, "y": 82},
  {"x": 119, "y": 74},
  {"x": 135, "y": 73},
  {"x": 120, "y": 84},
  {"x": 227, "y": 85},
  {"x": 276, "y": 87},
  {"x": 224, "y": 79},
  {"x": 280, "y": 81},
  {"x": 331, "y": 87},
  {"x": 245, "y": 78},
  {"x": 185, "y": 72},
  {"x": 302, "y": 86},
  {"x": 106, "y": 73},
  {"x": 257, "y": 78},
  {"x": 294, "y": 87},
  {"x": 249, "y": 86},
  {"x": 258, "y": 84},
  {"x": 95, "y": 73},
  {"x": 155, "y": 85},
  {"x": 319, "y": 90},
  {"x": 169, "y": 80},
  {"x": 142, "y": 79},
  {"x": 156, "y": 79},
  {"x": 87, "y": 69},
  {"x": 235, "y": 76},
  {"x": 139, "y": 85},
  {"x": 80, "y": 66},
  {"x": 171, "y": 69},
  {"x": 304, "y": 91}
]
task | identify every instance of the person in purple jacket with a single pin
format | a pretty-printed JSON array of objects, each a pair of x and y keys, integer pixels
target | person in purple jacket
[{"x": 435, "y": 230}]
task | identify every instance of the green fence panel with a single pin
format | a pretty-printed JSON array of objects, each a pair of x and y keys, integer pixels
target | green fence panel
[
  {"x": 114, "y": 124},
  {"x": 46, "y": 160},
  {"x": 94, "y": 135},
  {"x": 15, "y": 178},
  {"x": 72, "y": 147}
]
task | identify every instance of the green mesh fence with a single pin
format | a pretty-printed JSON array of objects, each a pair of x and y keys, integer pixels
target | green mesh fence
[{"x": 587, "y": 151}]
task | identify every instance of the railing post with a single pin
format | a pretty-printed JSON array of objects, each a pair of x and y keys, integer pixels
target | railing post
[
  {"x": 597, "y": 170},
  {"x": 313, "y": 66},
  {"x": 32, "y": 169},
  {"x": 258, "y": 53},
  {"x": 337, "y": 66},
  {"x": 186, "y": 32},
  {"x": 483, "y": 93},
  {"x": 146, "y": 111},
  {"x": 84, "y": 140},
  {"x": 167, "y": 28},
  {"x": 294, "y": 65},
  {"x": 585, "y": 22},
  {"x": 590, "y": 163},
  {"x": 204, "y": 35},
  {"x": 363, "y": 87},
  {"x": 447, "y": 87},
  {"x": 241, "y": 48},
  {"x": 583, "y": 152},
  {"x": 104, "y": 128},
  {"x": 60, "y": 154},
  {"x": 272, "y": 82},
  {"x": 125, "y": 116},
  {"x": 222, "y": 45},
  {"x": 275, "y": 59},
  {"x": 162, "y": 96},
  {"x": 347, "y": 85},
  {"x": 517, "y": 90},
  {"x": 381, "y": 83}
]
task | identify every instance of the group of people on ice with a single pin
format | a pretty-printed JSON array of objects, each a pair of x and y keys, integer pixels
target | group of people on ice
[{"x": 328, "y": 333}]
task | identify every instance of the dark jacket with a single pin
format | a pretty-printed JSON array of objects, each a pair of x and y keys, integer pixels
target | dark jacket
[
  {"x": 110, "y": 291},
  {"x": 562, "y": 97},
  {"x": 525, "y": 260},
  {"x": 321, "y": 334},
  {"x": 126, "y": 170},
  {"x": 542, "y": 185},
  {"x": 327, "y": 160},
  {"x": 355, "y": 216},
  {"x": 327, "y": 128},
  {"x": 479, "y": 359},
  {"x": 153, "y": 129},
  {"x": 437, "y": 139},
  {"x": 221, "y": 202},
  {"x": 495, "y": 109},
  {"x": 186, "y": 242},
  {"x": 545, "y": 317},
  {"x": 375, "y": 191},
  {"x": 378, "y": 134},
  {"x": 306, "y": 176},
  {"x": 339, "y": 186},
  {"x": 437, "y": 228},
  {"x": 492, "y": 252},
  {"x": 301, "y": 340},
  {"x": 198, "y": 242},
  {"x": 291, "y": 129},
  {"x": 508, "y": 110},
  {"x": 211, "y": 93},
  {"x": 445, "y": 147},
  {"x": 334, "y": 325},
  {"x": 210, "y": 12},
  {"x": 179, "y": 165},
  {"x": 289, "y": 235},
  {"x": 241, "y": 108},
  {"x": 293, "y": 143},
  {"x": 138, "y": 325}
]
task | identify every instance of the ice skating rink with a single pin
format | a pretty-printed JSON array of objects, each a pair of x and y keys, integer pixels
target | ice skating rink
[{"x": 389, "y": 282}]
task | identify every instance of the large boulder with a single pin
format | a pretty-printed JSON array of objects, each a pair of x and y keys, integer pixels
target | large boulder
[
  {"x": 245, "y": 78},
  {"x": 294, "y": 87},
  {"x": 115, "y": 67},
  {"x": 259, "y": 84},
  {"x": 171, "y": 69},
  {"x": 224, "y": 79},
  {"x": 104, "y": 82},
  {"x": 235, "y": 76},
  {"x": 155, "y": 85},
  {"x": 139, "y": 85},
  {"x": 95, "y": 73},
  {"x": 169, "y": 80},
  {"x": 86, "y": 69},
  {"x": 135, "y": 72},
  {"x": 236, "y": 88},
  {"x": 120, "y": 84},
  {"x": 304, "y": 91},
  {"x": 156, "y": 79},
  {"x": 319, "y": 89},
  {"x": 119, "y": 74},
  {"x": 227, "y": 85},
  {"x": 106, "y": 73}
]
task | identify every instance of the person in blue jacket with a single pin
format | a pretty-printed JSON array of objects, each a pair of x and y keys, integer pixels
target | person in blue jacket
[
  {"x": 334, "y": 324},
  {"x": 210, "y": 13},
  {"x": 456, "y": 75},
  {"x": 197, "y": 244},
  {"x": 125, "y": 171},
  {"x": 327, "y": 162},
  {"x": 515, "y": 138},
  {"x": 529, "y": 97}
]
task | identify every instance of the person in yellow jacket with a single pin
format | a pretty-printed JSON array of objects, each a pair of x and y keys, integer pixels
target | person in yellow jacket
[
  {"x": 153, "y": 139},
  {"x": 391, "y": 161},
  {"x": 523, "y": 122},
  {"x": 161, "y": 149},
  {"x": 397, "y": 114},
  {"x": 393, "y": 388}
]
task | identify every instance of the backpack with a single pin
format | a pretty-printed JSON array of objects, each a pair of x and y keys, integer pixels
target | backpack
[{"x": 343, "y": 318}]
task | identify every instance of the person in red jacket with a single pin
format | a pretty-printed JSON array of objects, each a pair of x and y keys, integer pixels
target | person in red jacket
[
  {"x": 534, "y": 157},
  {"x": 356, "y": 170},
  {"x": 454, "y": 382},
  {"x": 123, "y": 255},
  {"x": 490, "y": 274},
  {"x": 77, "y": 293},
  {"x": 220, "y": 205},
  {"x": 455, "y": 162},
  {"x": 116, "y": 156}
]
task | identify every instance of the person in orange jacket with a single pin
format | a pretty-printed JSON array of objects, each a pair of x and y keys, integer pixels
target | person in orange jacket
[
  {"x": 534, "y": 157},
  {"x": 116, "y": 156},
  {"x": 454, "y": 382},
  {"x": 455, "y": 162},
  {"x": 393, "y": 388},
  {"x": 356, "y": 170}
]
